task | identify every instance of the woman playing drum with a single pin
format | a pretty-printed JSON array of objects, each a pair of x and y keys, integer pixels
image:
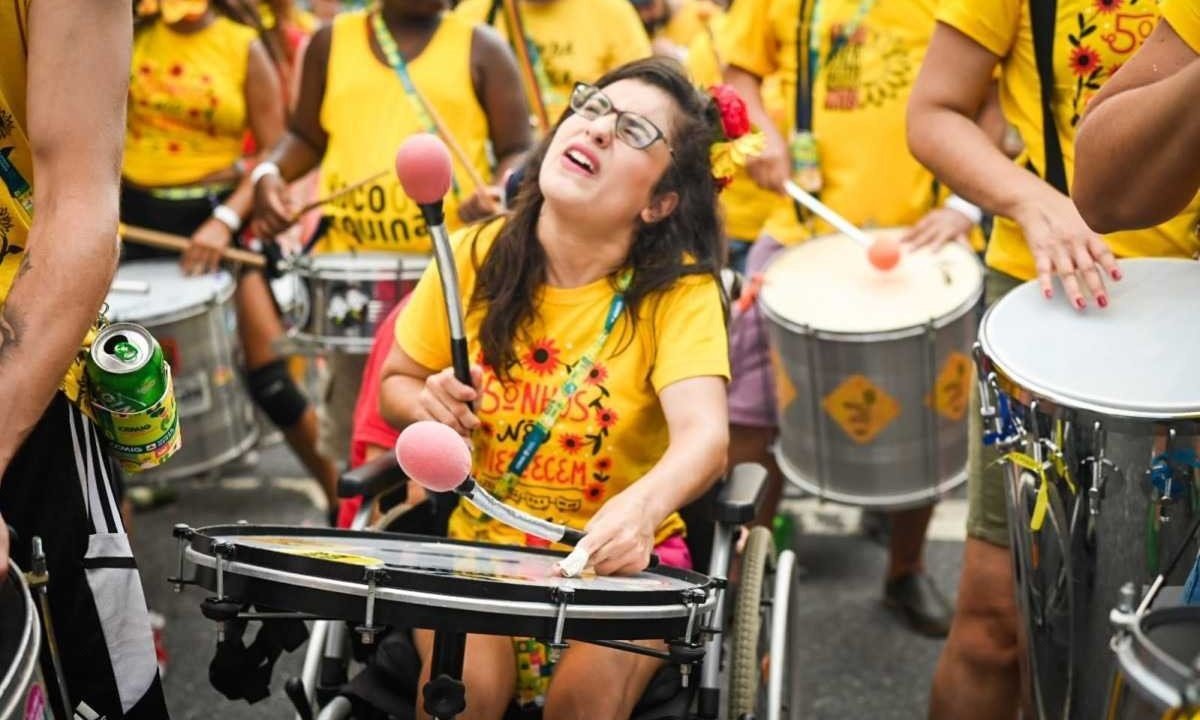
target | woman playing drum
[{"x": 600, "y": 290}]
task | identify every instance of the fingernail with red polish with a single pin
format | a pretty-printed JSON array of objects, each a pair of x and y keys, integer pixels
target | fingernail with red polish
[
  {"x": 1079, "y": 303},
  {"x": 1048, "y": 293},
  {"x": 1102, "y": 300},
  {"x": 1116, "y": 275}
]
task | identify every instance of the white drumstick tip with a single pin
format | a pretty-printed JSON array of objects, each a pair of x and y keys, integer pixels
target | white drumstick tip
[{"x": 574, "y": 563}]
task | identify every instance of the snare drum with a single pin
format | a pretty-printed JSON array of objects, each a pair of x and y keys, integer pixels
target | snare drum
[
  {"x": 194, "y": 321},
  {"x": 1157, "y": 677},
  {"x": 22, "y": 693},
  {"x": 1098, "y": 420},
  {"x": 390, "y": 579},
  {"x": 871, "y": 370},
  {"x": 349, "y": 294}
]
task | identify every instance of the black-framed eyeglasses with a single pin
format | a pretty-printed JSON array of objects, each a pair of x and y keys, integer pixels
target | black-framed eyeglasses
[{"x": 636, "y": 131}]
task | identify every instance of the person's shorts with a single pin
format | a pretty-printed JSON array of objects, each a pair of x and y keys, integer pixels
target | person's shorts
[
  {"x": 987, "y": 508},
  {"x": 336, "y": 411},
  {"x": 752, "y": 389}
]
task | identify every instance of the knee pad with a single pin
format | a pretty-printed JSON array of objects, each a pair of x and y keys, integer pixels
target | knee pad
[{"x": 274, "y": 390}]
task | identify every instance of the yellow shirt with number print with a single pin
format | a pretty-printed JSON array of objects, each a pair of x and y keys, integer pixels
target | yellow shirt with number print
[
  {"x": 613, "y": 429},
  {"x": 869, "y": 52},
  {"x": 576, "y": 40},
  {"x": 1184, "y": 17},
  {"x": 1093, "y": 38}
]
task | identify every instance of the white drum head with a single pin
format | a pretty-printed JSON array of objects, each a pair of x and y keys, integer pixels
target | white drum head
[
  {"x": 169, "y": 290},
  {"x": 365, "y": 265},
  {"x": 828, "y": 284},
  {"x": 1135, "y": 358}
]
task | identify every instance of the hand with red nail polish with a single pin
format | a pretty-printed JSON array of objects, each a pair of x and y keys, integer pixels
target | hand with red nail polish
[{"x": 1064, "y": 246}]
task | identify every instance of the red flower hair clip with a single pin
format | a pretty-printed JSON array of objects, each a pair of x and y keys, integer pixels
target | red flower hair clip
[{"x": 737, "y": 143}]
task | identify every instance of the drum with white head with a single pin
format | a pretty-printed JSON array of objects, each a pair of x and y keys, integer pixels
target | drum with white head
[
  {"x": 871, "y": 369},
  {"x": 193, "y": 319},
  {"x": 1097, "y": 412}
]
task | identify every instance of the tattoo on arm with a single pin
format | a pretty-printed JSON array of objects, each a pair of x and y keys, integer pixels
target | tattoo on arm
[
  {"x": 11, "y": 330},
  {"x": 25, "y": 266}
]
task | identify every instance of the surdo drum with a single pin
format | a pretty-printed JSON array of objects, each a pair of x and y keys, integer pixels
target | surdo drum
[
  {"x": 346, "y": 295},
  {"x": 1096, "y": 412},
  {"x": 22, "y": 694},
  {"x": 1158, "y": 677},
  {"x": 871, "y": 368},
  {"x": 194, "y": 321}
]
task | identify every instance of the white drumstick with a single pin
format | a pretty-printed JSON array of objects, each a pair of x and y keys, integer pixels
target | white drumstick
[{"x": 827, "y": 214}]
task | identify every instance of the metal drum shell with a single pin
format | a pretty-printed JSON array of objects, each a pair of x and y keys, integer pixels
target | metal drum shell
[
  {"x": 216, "y": 416},
  {"x": 21, "y": 687},
  {"x": 1152, "y": 680},
  {"x": 324, "y": 276},
  {"x": 918, "y": 457}
]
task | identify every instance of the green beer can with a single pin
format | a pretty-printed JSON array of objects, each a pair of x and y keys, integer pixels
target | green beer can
[{"x": 132, "y": 396}]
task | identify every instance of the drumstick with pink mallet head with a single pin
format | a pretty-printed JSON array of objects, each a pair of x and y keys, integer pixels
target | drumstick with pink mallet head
[
  {"x": 438, "y": 459},
  {"x": 882, "y": 252}
]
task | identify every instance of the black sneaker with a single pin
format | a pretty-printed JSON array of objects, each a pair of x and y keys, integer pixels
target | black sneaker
[{"x": 919, "y": 603}]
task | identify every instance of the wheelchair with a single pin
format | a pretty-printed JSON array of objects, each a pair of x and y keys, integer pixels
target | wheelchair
[{"x": 740, "y": 673}]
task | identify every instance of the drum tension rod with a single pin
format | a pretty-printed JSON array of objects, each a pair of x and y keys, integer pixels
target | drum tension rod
[
  {"x": 562, "y": 596},
  {"x": 368, "y": 630},
  {"x": 221, "y": 608},
  {"x": 689, "y": 650},
  {"x": 183, "y": 535}
]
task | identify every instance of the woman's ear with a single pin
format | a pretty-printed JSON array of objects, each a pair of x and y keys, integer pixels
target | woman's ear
[{"x": 660, "y": 208}]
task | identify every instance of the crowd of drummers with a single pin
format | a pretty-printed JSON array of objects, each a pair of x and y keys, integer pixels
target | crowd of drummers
[{"x": 597, "y": 176}]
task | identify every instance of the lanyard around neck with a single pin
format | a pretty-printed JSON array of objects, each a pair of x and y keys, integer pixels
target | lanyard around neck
[{"x": 540, "y": 432}]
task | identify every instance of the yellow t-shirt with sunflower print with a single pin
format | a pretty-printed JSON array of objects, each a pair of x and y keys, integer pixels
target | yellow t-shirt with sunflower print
[
  {"x": 1093, "y": 38},
  {"x": 1184, "y": 17},
  {"x": 613, "y": 430}
]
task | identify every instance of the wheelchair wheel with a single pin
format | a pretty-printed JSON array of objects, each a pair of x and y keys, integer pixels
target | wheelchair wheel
[{"x": 751, "y": 616}]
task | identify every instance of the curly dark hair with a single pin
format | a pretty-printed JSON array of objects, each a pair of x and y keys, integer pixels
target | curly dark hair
[{"x": 687, "y": 242}]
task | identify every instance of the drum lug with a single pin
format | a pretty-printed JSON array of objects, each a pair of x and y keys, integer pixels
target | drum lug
[
  {"x": 183, "y": 534},
  {"x": 368, "y": 630},
  {"x": 685, "y": 649},
  {"x": 1123, "y": 616},
  {"x": 562, "y": 596},
  {"x": 221, "y": 608},
  {"x": 1099, "y": 463}
]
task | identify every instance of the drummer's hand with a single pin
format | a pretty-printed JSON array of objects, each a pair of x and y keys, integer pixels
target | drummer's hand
[
  {"x": 484, "y": 203},
  {"x": 203, "y": 255},
  {"x": 1062, "y": 244},
  {"x": 771, "y": 168},
  {"x": 938, "y": 227},
  {"x": 273, "y": 207},
  {"x": 445, "y": 400},
  {"x": 620, "y": 536}
]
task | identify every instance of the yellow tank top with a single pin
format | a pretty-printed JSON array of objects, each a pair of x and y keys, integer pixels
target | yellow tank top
[
  {"x": 367, "y": 114},
  {"x": 16, "y": 162},
  {"x": 187, "y": 107}
]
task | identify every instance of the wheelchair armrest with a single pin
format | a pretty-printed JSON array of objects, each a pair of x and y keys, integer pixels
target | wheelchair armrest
[
  {"x": 372, "y": 478},
  {"x": 737, "y": 501}
]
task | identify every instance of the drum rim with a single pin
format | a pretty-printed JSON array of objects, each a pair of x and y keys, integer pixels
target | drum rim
[
  {"x": 1144, "y": 664},
  {"x": 907, "y": 331},
  {"x": 376, "y": 266},
  {"x": 19, "y": 675},
  {"x": 223, "y": 295},
  {"x": 930, "y": 495},
  {"x": 420, "y": 585}
]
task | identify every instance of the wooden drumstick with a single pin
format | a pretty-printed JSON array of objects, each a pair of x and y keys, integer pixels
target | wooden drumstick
[
  {"x": 337, "y": 194},
  {"x": 178, "y": 243},
  {"x": 448, "y": 138},
  {"x": 516, "y": 31}
]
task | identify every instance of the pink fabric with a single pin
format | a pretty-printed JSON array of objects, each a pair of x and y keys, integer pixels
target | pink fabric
[{"x": 674, "y": 552}]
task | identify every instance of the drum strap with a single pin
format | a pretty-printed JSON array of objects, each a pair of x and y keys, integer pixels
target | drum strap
[
  {"x": 540, "y": 432},
  {"x": 1042, "y": 16}
]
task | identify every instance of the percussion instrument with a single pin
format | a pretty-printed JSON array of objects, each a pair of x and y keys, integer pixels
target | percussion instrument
[
  {"x": 1157, "y": 676},
  {"x": 871, "y": 369},
  {"x": 22, "y": 693},
  {"x": 1096, "y": 412},
  {"x": 390, "y": 579},
  {"x": 193, "y": 320},
  {"x": 349, "y": 294}
]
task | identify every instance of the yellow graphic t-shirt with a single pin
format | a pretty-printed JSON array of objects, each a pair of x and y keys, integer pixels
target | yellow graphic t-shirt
[
  {"x": 744, "y": 205},
  {"x": 613, "y": 430},
  {"x": 574, "y": 40},
  {"x": 867, "y": 55},
  {"x": 187, "y": 104},
  {"x": 1093, "y": 39},
  {"x": 16, "y": 163},
  {"x": 364, "y": 136},
  {"x": 1184, "y": 17}
]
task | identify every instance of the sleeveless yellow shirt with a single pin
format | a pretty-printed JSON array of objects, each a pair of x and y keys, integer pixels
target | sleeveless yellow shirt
[
  {"x": 187, "y": 106},
  {"x": 367, "y": 114},
  {"x": 16, "y": 163}
]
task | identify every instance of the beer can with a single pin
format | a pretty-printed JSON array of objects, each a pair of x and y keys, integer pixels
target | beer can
[{"x": 133, "y": 397}]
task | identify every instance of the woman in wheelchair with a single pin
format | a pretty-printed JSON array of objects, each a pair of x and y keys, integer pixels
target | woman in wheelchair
[{"x": 598, "y": 395}]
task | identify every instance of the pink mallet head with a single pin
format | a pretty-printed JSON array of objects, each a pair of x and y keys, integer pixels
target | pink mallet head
[
  {"x": 884, "y": 253},
  {"x": 424, "y": 168},
  {"x": 433, "y": 456}
]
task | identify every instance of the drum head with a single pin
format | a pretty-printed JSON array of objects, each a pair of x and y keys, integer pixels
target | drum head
[
  {"x": 828, "y": 284},
  {"x": 1136, "y": 358},
  {"x": 365, "y": 266},
  {"x": 170, "y": 291}
]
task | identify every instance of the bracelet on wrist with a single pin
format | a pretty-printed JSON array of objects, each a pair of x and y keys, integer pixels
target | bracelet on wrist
[
  {"x": 262, "y": 170},
  {"x": 965, "y": 207},
  {"x": 228, "y": 217}
]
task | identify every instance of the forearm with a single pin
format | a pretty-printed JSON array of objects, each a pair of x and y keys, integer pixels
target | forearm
[
  {"x": 56, "y": 297},
  {"x": 295, "y": 156},
  {"x": 399, "y": 400},
  {"x": 1136, "y": 154},
  {"x": 694, "y": 460}
]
